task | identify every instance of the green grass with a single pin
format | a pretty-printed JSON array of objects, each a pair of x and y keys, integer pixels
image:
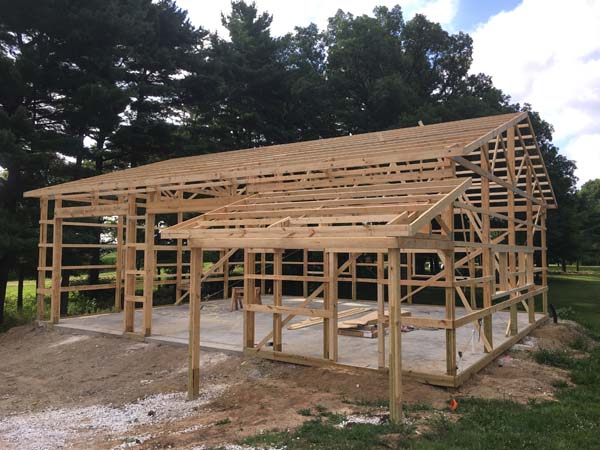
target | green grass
[{"x": 576, "y": 296}]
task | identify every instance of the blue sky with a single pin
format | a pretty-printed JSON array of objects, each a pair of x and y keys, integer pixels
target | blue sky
[
  {"x": 470, "y": 13},
  {"x": 542, "y": 52}
]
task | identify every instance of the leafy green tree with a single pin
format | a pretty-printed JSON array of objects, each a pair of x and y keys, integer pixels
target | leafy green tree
[
  {"x": 589, "y": 216},
  {"x": 564, "y": 245}
]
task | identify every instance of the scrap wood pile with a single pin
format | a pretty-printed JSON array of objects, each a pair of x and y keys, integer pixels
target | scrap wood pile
[{"x": 362, "y": 326}]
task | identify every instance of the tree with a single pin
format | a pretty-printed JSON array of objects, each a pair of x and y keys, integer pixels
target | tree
[
  {"x": 589, "y": 218},
  {"x": 563, "y": 223}
]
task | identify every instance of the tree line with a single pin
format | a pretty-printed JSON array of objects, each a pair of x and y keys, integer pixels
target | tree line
[{"x": 101, "y": 85}]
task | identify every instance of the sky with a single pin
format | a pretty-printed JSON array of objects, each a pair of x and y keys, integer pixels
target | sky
[{"x": 542, "y": 52}]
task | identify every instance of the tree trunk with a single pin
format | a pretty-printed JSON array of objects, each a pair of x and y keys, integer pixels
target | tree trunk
[
  {"x": 564, "y": 265},
  {"x": 21, "y": 276},
  {"x": 577, "y": 265}
]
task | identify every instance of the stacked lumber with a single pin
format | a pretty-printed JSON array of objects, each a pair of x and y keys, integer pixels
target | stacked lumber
[
  {"x": 364, "y": 326},
  {"x": 317, "y": 320}
]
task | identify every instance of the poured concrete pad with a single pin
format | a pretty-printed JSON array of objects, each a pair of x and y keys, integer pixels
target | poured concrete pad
[{"x": 423, "y": 349}]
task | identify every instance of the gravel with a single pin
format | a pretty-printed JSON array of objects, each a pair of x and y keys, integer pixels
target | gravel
[{"x": 73, "y": 427}]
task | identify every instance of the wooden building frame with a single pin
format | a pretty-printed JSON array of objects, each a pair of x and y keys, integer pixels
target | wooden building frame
[{"x": 472, "y": 193}]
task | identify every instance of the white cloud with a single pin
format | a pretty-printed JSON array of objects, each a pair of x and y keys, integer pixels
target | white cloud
[
  {"x": 548, "y": 54},
  {"x": 585, "y": 149},
  {"x": 290, "y": 13}
]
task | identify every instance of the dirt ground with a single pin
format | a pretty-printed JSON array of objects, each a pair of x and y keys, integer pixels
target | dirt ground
[{"x": 94, "y": 392}]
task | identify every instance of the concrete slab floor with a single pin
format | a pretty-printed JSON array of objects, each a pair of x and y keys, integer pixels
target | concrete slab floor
[{"x": 422, "y": 349}]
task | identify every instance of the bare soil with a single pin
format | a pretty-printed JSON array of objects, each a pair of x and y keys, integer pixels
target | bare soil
[{"x": 95, "y": 392}]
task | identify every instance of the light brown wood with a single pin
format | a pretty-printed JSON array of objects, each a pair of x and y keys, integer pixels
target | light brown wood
[
  {"x": 472, "y": 194},
  {"x": 194, "y": 326},
  {"x": 395, "y": 357}
]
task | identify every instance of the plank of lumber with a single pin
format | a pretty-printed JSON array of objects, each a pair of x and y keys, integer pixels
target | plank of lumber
[
  {"x": 317, "y": 320},
  {"x": 367, "y": 319}
]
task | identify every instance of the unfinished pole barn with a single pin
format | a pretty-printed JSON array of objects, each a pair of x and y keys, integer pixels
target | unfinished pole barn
[{"x": 444, "y": 224}]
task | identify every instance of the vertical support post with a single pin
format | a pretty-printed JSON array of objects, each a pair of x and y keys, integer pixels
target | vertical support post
[
  {"x": 530, "y": 230},
  {"x": 395, "y": 357},
  {"x": 512, "y": 259},
  {"x": 263, "y": 271},
  {"x": 249, "y": 269},
  {"x": 451, "y": 366},
  {"x": 42, "y": 259},
  {"x": 326, "y": 294},
  {"x": 149, "y": 269},
  {"x": 332, "y": 304},
  {"x": 305, "y": 273},
  {"x": 179, "y": 260},
  {"x": 57, "y": 238},
  {"x": 120, "y": 263},
  {"x": 196, "y": 261},
  {"x": 353, "y": 274},
  {"x": 487, "y": 260},
  {"x": 472, "y": 269},
  {"x": 410, "y": 257},
  {"x": 380, "y": 311},
  {"x": 277, "y": 297},
  {"x": 130, "y": 264},
  {"x": 226, "y": 273},
  {"x": 543, "y": 244}
]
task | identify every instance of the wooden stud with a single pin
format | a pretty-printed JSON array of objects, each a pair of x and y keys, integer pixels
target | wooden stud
[
  {"x": 249, "y": 295},
  {"x": 57, "y": 246},
  {"x": 42, "y": 256},
  {"x": 130, "y": 264},
  {"x": 380, "y": 311},
  {"x": 332, "y": 305},
  {"x": 196, "y": 262},
  {"x": 487, "y": 260},
  {"x": 277, "y": 297},
  {"x": 304, "y": 272},
  {"x": 544, "y": 263},
  {"x": 395, "y": 356},
  {"x": 120, "y": 265}
]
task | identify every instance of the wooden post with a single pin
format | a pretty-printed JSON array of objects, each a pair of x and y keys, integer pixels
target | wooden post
[
  {"x": 326, "y": 293},
  {"x": 196, "y": 261},
  {"x": 179, "y": 262},
  {"x": 472, "y": 269},
  {"x": 395, "y": 357},
  {"x": 42, "y": 259},
  {"x": 226, "y": 272},
  {"x": 149, "y": 269},
  {"x": 487, "y": 261},
  {"x": 305, "y": 273},
  {"x": 512, "y": 259},
  {"x": 120, "y": 264},
  {"x": 57, "y": 238},
  {"x": 332, "y": 305},
  {"x": 130, "y": 264},
  {"x": 380, "y": 311},
  {"x": 263, "y": 271},
  {"x": 530, "y": 230},
  {"x": 544, "y": 261},
  {"x": 277, "y": 297},
  {"x": 409, "y": 271},
  {"x": 353, "y": 275},
  {"x": 249, "y": 269},
  {"x": 451, "y": 366}
]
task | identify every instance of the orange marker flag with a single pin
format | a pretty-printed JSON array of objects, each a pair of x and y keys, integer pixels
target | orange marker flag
[{"x": 453, "y": 405}]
